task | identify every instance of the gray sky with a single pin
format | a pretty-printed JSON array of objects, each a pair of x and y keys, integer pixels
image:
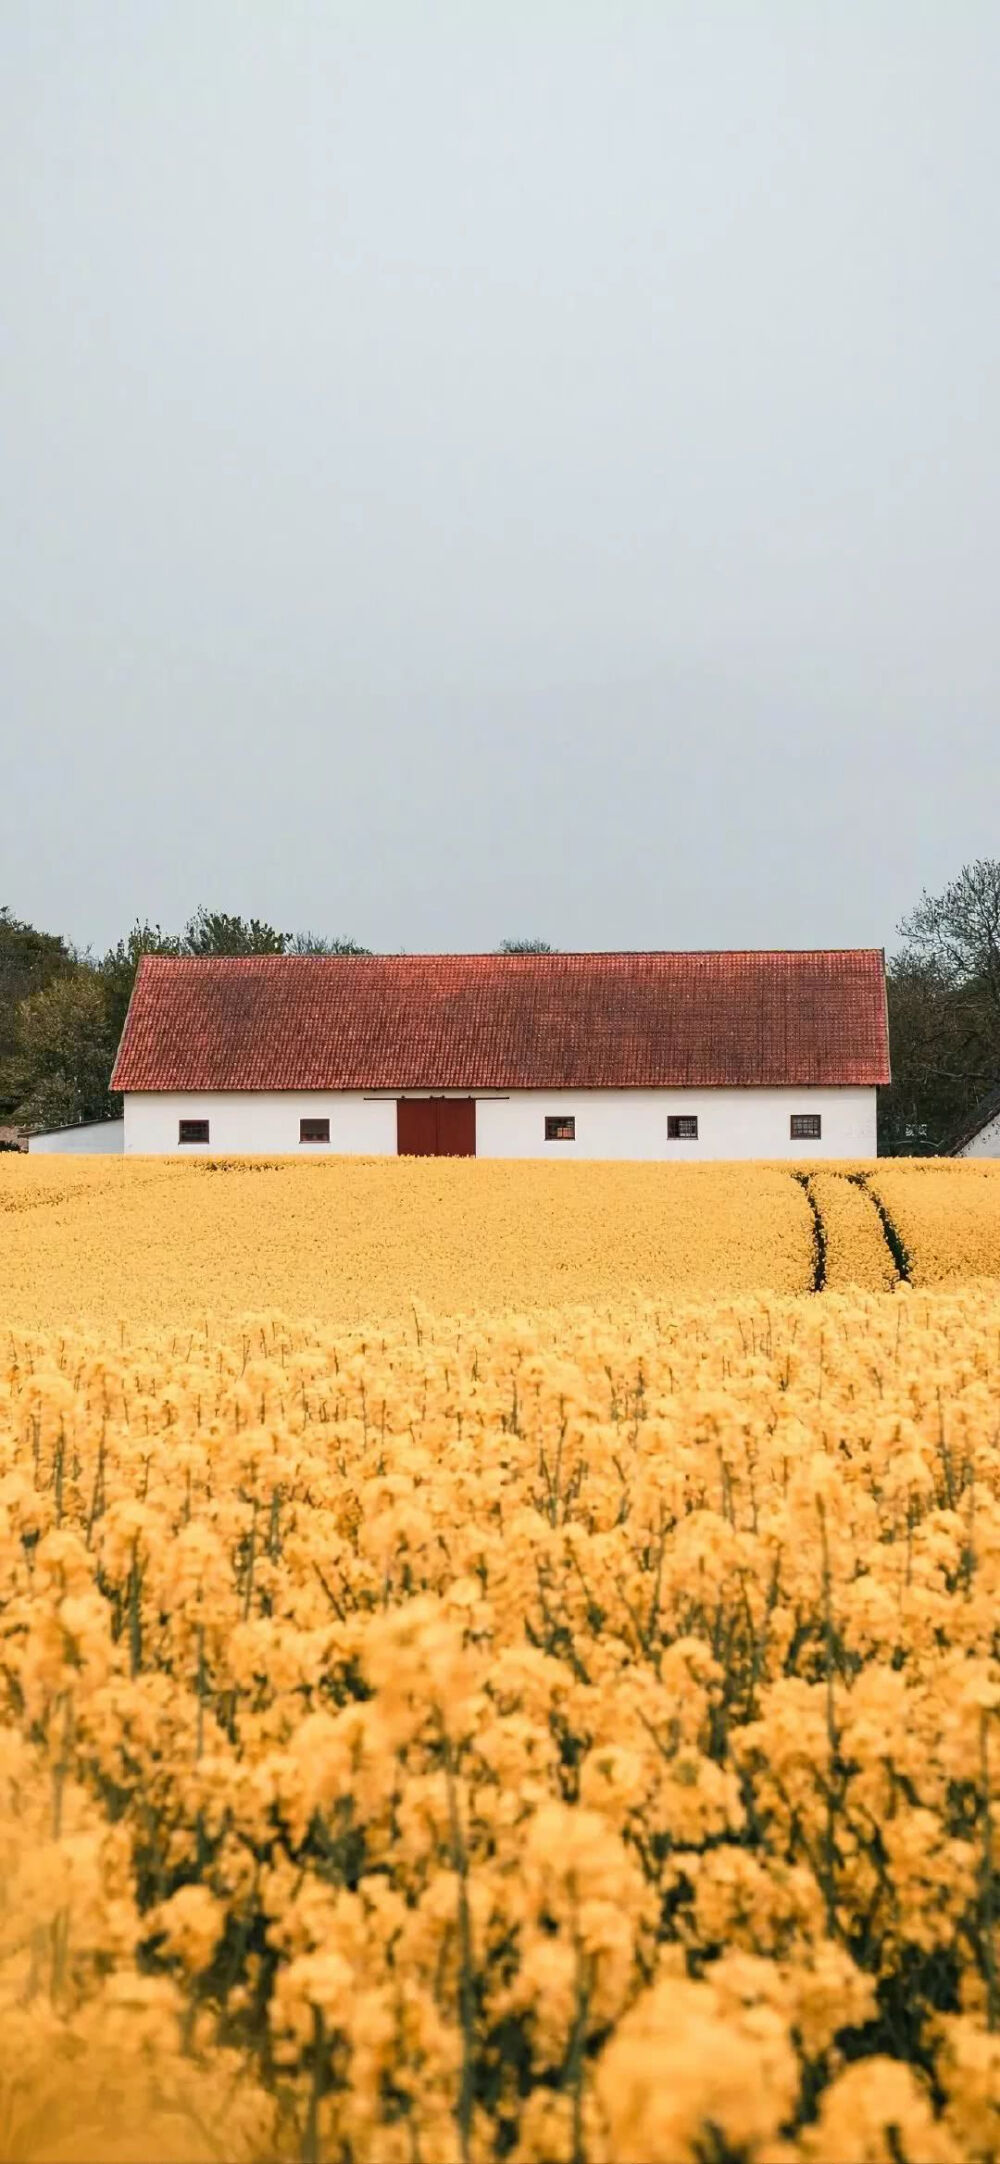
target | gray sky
[{"x": 499, "y": 468}]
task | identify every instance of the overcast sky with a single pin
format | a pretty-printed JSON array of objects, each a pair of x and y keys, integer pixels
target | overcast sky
[{"x": 499, "y": 468}]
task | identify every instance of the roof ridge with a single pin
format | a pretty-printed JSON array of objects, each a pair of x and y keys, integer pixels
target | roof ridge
[
  {"x": 654, "y": 1018},
  {"x": 557, "y": 954}
]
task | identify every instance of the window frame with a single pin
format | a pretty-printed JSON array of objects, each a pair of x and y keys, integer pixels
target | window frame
[
  {"x": 193, "y": 1142},
  {"x": 806, "y": 1127},
  {"x": 311, "y": 1119},
  {"x": 556, "y": 1123},
  {"x": 682, "y": 1126}
]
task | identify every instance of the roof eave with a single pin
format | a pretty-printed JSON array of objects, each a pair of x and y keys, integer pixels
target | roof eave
[{"x": 986, "y": 1111}]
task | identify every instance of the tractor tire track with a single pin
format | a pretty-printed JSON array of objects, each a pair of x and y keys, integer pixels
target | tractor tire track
[
  {"x": 819, "y": 1232},
  {"x": 890, "y": 1231}
]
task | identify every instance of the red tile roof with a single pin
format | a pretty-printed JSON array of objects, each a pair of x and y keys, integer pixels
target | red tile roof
[{"x": 487, "y": 1021}]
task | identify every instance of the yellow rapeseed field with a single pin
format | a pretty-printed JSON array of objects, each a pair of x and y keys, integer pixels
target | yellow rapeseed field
[
  {"x": 350, "y": 1239},
  {"x": 568, "y": 1732},
  {"x": 154, "y": 1241}
]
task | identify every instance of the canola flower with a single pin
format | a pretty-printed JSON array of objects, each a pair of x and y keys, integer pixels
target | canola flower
[
  {"x": 167, "y": 1242},
  {"x": 945, "y": 1213},
  {"x": 570, "y": 1736}
]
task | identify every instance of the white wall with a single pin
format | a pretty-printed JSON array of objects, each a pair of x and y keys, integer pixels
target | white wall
[
  {"x": 96, "y": 1138},
  {"x": 633, "y": 1123},
  {"x": 986, "y": 1143},
  {"x": 261, "y": 1123},
  {"x": 609, "y": 1123}
]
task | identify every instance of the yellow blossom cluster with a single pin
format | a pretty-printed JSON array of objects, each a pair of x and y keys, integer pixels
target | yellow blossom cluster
[
  {"x": 159, "y": 1241},
  {"x": 946, "y": 1213},
  {"x": 568, "y": 1736},
  {"x": 855, "y": 1249}
]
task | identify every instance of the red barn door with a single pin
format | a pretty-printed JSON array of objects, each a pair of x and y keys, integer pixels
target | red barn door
[
  {"x": 456, "y": 1126},
  {"x": 416, "y": 1127},
  {"x": 436, "y": 1126}
]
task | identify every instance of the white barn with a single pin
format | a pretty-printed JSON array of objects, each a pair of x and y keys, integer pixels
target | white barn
[
  {"x": 981, "y": 1137},
  {"x": 668, "y": 1056}
]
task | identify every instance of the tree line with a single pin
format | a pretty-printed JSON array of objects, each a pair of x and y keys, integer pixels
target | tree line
[
  {"x": 62, "y": 1010},
  {"x": 943, "y": 988}
]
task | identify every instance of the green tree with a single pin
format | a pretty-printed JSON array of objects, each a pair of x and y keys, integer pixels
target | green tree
[
  {"x": 525, "y": 946},
  {"x": 943, "y": 991},
  {"x": 958, "y": 933},
  {"x": 214, "y": 931},
  {"x": 314, "y": 943},
  {"x": 29, "y": 960},
  {"x": 58, "y": 1072}
]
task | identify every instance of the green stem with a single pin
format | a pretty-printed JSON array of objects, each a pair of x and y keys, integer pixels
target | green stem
[
  {"x": 466, "y": 1993},
  {"x": 310, "y": 2139},
  {"x": 989, "y": 1950},
  {"x": 135, "y": 1610},
  {"x": 575, "y": 2056},
  {"x": 200, "y": 1738},
  {"x": 830, "y": 1860}
]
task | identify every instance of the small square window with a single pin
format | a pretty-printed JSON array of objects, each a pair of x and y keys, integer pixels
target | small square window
[
  {"x": 560, "y": 1127},
  {"x": 192, "y": 1130},
  {"x": 806, "y": 1127},
  {"x": 314, "y": 1130},
  {"x": 682, "y": 1127}
]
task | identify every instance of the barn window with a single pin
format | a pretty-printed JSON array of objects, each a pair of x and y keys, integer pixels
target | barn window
[
  {"x": 806, "y": 1127},
  {"x": 560, "y": 1127},
  {"x": 682, "y": 1127},
  {"x": 192, "y": 1130},
  {"x": 314, "y": 1130}
]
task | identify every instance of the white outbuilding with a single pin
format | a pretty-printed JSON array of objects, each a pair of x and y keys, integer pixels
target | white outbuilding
[
  {"x": 86, "y": 1138},
  {"x": 981, "y": 1136},
  {"x": 659, "y": 1055}
]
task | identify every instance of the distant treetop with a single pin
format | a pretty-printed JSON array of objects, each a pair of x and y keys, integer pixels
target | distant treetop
[
  {"x": 214, "y": 931},
  {"x": 314, "y": 943},
  {"x": 525, "y": 946}
]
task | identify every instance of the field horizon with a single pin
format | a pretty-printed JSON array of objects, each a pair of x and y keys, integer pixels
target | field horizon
[{"x": 349, "y": 1240}]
